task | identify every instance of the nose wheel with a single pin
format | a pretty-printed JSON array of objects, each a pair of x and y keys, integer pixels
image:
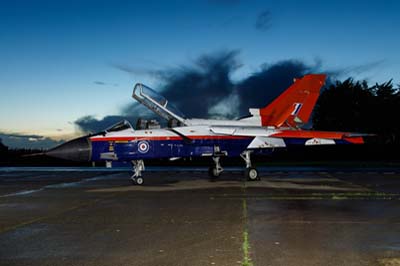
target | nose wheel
[{"x": 138, "y": 167}]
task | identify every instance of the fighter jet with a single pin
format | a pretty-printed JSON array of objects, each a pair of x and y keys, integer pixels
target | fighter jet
[{"x": 277, "y": 125}]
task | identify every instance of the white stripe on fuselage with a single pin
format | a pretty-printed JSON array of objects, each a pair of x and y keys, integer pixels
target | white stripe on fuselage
[{"x": 192, "y": 131}]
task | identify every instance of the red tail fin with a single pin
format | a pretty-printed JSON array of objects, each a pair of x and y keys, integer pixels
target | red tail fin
[{"x": 295, "y": 104}]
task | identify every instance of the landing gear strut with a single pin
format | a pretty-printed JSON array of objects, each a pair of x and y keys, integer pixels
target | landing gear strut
[
  {"x": 250, "y": 173},
  {"x": 216, "y": 170},
  {"x": 138, "y": 167}
]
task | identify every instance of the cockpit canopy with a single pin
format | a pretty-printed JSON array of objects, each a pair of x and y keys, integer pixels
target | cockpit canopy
[
  {"x": 156, "y": 102},
  {"x": 124, "y": 124}
]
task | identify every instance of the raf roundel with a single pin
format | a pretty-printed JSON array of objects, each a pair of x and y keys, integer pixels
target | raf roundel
[{"x": 143, "y": 147}]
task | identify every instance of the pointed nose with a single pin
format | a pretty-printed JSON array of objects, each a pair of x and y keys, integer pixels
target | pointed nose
[{"x": 79, "y": 149}]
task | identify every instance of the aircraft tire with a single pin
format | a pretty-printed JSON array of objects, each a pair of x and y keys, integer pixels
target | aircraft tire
[
  {"x": 213, "y": 173},
  {"x": 251, "y": 174},
  {"x": 139, "y": 181}
]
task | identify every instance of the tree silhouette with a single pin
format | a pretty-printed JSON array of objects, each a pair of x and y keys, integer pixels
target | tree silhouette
[
  {"x": 354, "y": 106},
  {"x": 387, "y": 101}
]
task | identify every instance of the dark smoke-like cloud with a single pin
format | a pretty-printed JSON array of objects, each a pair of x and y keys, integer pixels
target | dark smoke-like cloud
[
  {"x": 28, "y": 136},
  {"x": 203, "y": 85},
  {"x": 263, "y": 21},
  {"x": 90, "y": 124},
  {"x": 357, "y": 69},
  {"x": 32, "y": 141},
  {"x": 102, "y": 83},
  {"x": 205, "y": 89},
  {"x": 139, "y": 70},
  {"x": 263, "y": 86}
]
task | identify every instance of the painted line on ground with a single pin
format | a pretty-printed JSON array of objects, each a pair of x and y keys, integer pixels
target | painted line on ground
[
  {"x": 246, "y": 243},
  {"x": 56, "y": 186}
]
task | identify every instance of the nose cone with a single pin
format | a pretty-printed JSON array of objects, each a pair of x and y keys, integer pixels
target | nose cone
[{"x": 79, "y": 149}]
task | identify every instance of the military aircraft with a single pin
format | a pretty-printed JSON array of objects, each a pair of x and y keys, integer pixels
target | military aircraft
[{"x": 277, "y": 125}]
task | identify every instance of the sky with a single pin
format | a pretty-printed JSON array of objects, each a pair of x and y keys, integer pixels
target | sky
[{"x": 63, "y": 63}]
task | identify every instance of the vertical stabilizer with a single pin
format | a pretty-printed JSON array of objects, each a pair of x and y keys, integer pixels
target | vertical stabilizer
[{"x": 294, "y": 106}]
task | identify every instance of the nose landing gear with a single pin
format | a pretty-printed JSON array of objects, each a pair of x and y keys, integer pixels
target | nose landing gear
[{"x": 138, "y": 167}]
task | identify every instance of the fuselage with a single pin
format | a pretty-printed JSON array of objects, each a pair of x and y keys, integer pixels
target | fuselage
[
  {"x": 182, "y": 142},
  {"x": 200, "y": 141}
]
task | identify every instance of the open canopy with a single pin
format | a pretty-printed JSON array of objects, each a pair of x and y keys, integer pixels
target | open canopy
[{"x": 156, "y": 102}]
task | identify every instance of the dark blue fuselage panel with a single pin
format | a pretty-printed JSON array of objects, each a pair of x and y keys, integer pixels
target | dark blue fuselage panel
[{"x": 153, "y": 149}]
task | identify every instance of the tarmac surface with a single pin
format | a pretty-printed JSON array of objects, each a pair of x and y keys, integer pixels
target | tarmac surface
[{"x": 181, "y": 218}]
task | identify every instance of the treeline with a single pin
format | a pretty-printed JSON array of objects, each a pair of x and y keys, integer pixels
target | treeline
[{"x": 357, "y": 107}]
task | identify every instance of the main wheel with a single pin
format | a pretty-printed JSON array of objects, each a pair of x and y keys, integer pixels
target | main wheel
[
  {"x": 139, "y": 180},
  {"x": 251, "y": 174},
  {"x": 213, "y": 173}
]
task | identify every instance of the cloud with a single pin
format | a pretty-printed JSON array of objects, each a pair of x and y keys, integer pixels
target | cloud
[
  {"x": 30, "y": 141},
  {"x": 196, "y": 88},
  {"x": 17, "y": 135},
  {"x": 264, "y": 85},
  {"x": 102, "y": 83},
  {"x": 137, "y": 71},
  {"x": 204, "y": 88},
  {"x": 359, "y": 69},
  {"x": 263, "y": 21},
  {"x": 228, "y": 107},
  {"x": 90, "y": 124}
]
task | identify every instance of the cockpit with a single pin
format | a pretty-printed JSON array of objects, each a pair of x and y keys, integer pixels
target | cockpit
[
  {"x": 156, "y": 103},
  {"x": 124, "y": 124}
]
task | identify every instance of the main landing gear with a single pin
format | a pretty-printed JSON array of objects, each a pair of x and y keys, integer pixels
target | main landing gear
[
  {"x": 138, "y": 167},
  {"x": 216, "y": 170},
  {"x": 250, "y": 173}
]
